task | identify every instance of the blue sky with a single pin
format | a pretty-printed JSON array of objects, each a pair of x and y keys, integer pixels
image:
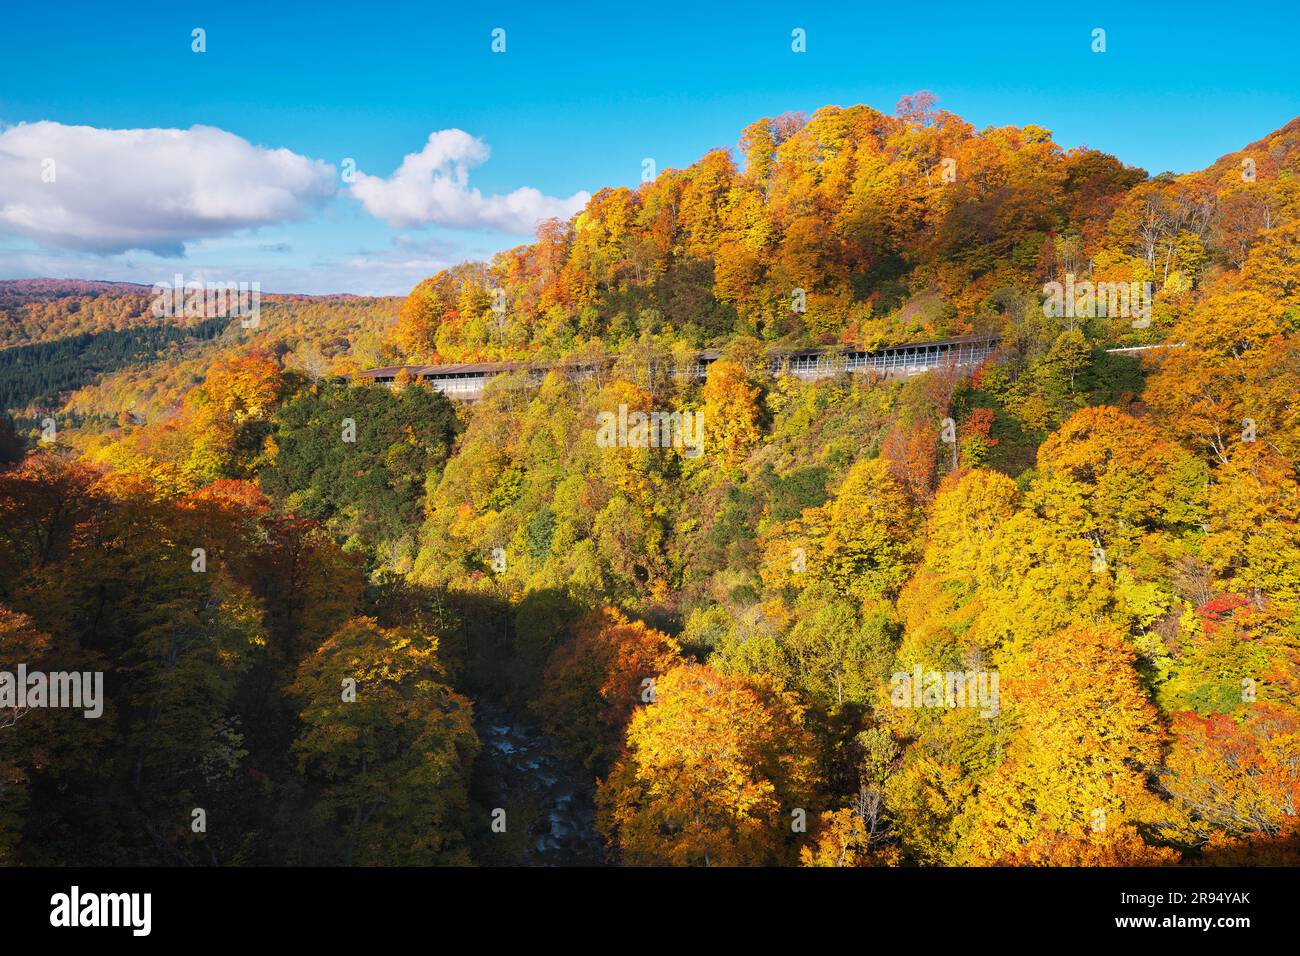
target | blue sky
[{"x": 576, "y": 102}]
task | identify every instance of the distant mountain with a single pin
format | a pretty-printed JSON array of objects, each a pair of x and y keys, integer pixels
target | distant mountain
[
  {"x": 48, "y": 287},
  {"x": 44, "y": 287},
  {"x": 61, "y": 336}
]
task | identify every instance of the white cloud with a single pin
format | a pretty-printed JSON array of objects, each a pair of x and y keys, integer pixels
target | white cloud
[
  {"x": 150, "y": 189},
  {"x": 432, "y": 187}
]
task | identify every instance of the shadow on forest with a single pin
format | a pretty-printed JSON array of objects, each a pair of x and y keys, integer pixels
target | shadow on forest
[{"x": 530, "y": 805}]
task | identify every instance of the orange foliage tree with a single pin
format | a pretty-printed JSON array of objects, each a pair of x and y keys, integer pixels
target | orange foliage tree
[{"x": 596, "y": 680}]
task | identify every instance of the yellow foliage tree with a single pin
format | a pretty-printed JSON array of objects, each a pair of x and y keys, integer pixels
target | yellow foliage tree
[
  {"x": 731, "y": 413},
  {"x": 715, "y": 772},
  {"x": 1075, "y": 772}
]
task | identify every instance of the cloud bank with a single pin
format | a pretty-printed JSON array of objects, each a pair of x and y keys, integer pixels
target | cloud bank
[
  {"x": 114, "y": 190},
  {"x": 431, "y": 187}
]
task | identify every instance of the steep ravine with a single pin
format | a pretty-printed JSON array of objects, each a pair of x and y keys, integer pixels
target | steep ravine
[{"x": 549, "y": 814}]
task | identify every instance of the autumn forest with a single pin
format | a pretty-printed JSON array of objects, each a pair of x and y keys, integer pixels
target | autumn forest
[{"x": 1039, "y": 610}]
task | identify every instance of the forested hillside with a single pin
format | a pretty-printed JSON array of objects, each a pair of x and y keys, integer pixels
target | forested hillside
[
  {"x": 41, "y": 310},
  {"x": 324, "y": 607},
  {"x": 41, "y": 373},
  {"x": 96, "y": 351},
  {"x": 855, "y": 227}
]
